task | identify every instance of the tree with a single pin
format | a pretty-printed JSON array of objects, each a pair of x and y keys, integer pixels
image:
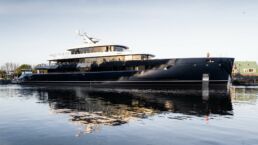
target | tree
[
  {"x": 22, "y": 67},
  {"x": 2, "y": 74},
  {"x": 9, "y": 67}
]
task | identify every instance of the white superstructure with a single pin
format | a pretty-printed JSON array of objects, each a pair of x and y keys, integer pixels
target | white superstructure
[{"x": 92, "y": 50}]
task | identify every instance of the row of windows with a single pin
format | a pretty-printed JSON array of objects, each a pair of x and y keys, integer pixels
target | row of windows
[
  {"x": 139, "y": 68},
  {"x": 246, "y": 70},
  {"x": 97, "y": 49},
  {"x": 99, "y": 60},
  {"x": 250, "y": 70}
]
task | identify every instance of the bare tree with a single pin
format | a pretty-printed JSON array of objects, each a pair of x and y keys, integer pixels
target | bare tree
[{"x": 9, "y": 67}]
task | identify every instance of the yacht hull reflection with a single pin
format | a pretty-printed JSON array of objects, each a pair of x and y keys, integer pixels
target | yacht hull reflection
[{"x": 93, "y": 107}]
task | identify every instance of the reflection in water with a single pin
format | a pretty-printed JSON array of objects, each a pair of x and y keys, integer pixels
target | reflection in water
[
  {"x": 140, "y": 116},
  {"x": 95, "y": 107},
  {"x": 244, "y": 95}
]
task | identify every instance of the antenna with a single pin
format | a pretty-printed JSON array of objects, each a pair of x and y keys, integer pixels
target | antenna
[{"x": 86, "y": 38}]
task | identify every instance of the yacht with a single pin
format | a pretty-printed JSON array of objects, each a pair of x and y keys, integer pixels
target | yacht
[{"x": 109, "y": 64}]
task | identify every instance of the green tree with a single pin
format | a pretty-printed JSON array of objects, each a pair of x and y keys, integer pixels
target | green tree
[
  {"x": 2, "y": 74},
  {"x": 22, "y": 67}
]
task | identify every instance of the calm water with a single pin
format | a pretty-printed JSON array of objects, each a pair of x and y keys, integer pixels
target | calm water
[{"x": 80, "y": 116}]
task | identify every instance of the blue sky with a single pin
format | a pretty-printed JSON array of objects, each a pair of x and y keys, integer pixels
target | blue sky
[{"x": 31, "y": 30}]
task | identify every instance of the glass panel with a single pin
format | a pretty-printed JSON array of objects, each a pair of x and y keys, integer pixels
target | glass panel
[
  {"x": 136, "y": 57},
  {"x": 119, "y": 48}
]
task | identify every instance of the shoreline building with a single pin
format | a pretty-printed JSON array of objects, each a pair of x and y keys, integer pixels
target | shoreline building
[{"x": 245, "y": 68}]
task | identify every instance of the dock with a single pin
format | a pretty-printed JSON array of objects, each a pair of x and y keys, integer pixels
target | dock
[{"x": 245, "y": 80}]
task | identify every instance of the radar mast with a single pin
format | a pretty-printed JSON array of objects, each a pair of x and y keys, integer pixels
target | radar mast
[{"x": 86, "y": 38}]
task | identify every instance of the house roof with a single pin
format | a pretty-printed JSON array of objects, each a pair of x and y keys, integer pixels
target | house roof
[{"x": 248, "y": 64}]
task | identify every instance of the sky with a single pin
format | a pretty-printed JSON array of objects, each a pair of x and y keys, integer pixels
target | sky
[{"x": 31, "y": 30}]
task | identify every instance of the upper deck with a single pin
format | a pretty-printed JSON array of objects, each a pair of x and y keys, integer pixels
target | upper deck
[
  {"x": 68, "y": 55},
  {"x": 92, "y": 49}
]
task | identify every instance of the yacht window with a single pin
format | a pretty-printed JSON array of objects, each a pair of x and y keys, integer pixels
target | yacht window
[
  {"x": 144, "y": 57},
  {"x": 119, "y": 48},
  {"x": 136, "y": 57},
  {"x": 99, "y": 49}
]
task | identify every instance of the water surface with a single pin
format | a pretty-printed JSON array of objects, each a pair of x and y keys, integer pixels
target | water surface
[{"x": 102, "y": 116}]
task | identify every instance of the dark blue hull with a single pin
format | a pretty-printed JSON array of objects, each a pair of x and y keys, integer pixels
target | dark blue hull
[{"x": 177, "y": 71}]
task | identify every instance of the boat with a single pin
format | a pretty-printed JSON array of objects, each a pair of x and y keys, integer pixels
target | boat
[{"x": 96, "y": 63}]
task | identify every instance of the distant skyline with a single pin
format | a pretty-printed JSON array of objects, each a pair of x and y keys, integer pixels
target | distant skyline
[{"x": 31, "y": 30}]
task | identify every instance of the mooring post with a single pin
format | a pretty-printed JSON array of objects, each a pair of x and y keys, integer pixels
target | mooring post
[{"x": 205, "y": 87}]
